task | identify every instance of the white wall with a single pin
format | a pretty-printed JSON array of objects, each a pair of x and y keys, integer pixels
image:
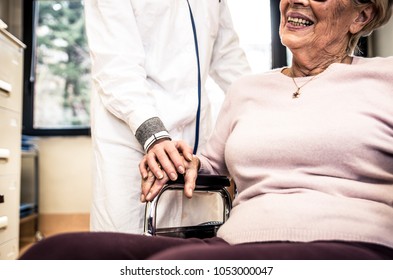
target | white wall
[{"x": 64, "y": 175}]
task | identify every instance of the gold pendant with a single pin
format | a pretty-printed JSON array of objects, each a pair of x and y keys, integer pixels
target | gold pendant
[{"x": 296, "y": 94}]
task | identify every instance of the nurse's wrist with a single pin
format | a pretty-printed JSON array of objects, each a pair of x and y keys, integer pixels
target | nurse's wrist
[
  {"x": 155, "y": 139},
  {"x": 151, "y": 131}
]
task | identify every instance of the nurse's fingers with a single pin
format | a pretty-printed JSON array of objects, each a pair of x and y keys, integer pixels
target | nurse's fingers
[
  {"x": 146, "y": 185},
  {"x": 143, "y": 168},
  {"x": 184, "y": 149},
  {"x": 155, "y": 188},
  {"x": 169, "y": 158},
  {"x": 149, "y": 163}
]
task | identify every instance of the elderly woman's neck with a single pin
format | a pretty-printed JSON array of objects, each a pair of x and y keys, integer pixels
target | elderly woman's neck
[{"x": 307, "y": 65}]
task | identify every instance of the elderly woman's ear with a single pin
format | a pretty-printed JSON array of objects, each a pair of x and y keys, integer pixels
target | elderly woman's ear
[{"x": 365, "y": 15}]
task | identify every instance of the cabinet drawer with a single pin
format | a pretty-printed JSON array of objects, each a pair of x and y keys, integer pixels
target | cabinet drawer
[
  {"x": 10, "y": 142},
  {"x": 9, "y": 250},
  {"x": 9, "y": 207},
  {"x": 11, "y": 74}
]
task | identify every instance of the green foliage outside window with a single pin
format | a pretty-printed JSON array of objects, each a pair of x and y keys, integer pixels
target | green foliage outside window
[{"x": 62, "y": 86}]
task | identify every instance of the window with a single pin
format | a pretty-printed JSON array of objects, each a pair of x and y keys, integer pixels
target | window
[
  {"x": 59, "y": 67},
  {"x": 57, "y": 80}
]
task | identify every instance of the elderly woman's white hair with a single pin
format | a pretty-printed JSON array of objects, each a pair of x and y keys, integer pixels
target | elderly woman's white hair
[{"x": 382, "y": 14}]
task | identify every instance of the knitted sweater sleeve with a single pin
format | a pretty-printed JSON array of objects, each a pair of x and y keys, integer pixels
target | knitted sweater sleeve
[{"x": 212, "y": 157}]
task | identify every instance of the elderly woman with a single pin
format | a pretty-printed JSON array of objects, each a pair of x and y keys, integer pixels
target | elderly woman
[{"x": 310, "y": 147}]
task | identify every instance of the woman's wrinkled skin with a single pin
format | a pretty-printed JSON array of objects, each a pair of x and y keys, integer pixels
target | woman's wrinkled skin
[{"x": 322, "y": 38}]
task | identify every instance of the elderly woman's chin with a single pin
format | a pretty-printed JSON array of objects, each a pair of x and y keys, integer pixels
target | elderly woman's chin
[
  {"x": 296, "y": 38},
  {"x": 294, "y": 41}
]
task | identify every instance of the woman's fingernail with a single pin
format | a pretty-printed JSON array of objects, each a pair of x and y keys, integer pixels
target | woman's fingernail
[
  {"x": 160, "y": 175},
  {"x": 143, "y": 199}
]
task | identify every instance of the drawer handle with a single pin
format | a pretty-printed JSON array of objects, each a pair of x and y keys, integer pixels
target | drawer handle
[
  {"x": 4, "y": 154},
  {"x": 3, "y": 222},
  {"x": 5, "y": 87}
]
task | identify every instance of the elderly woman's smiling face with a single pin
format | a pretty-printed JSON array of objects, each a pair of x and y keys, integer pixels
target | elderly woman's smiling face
[{"x": 318, "y": 26}]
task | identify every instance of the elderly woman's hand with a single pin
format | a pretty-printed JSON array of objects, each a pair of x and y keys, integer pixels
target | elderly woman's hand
[{"x": 151, "y": 185}]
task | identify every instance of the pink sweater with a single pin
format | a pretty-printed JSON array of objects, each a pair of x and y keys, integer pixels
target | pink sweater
[{"x": 319, "y": 167}]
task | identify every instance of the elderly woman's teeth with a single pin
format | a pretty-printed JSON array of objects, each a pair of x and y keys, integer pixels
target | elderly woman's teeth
[{"x": 299, "y": 21}]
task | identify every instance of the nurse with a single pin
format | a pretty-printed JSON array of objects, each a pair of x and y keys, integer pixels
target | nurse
[{"x": 150, "y": 62}]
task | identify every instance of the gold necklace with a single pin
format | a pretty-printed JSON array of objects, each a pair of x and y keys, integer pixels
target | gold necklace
[
  {"x": 346, "y": 59},
  {"x": 296, "y": 94}
]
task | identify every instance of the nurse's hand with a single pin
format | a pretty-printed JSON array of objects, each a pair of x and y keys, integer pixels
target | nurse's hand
[
  {"x": 166, "y": 156},
  {"x": 151, "y": 185}
]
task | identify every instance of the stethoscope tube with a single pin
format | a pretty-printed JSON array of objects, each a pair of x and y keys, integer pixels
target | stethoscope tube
[{"x": 198, "y": 114}]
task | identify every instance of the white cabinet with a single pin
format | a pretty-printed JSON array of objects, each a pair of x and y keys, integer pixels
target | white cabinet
[{"x": 11, "y": 80}]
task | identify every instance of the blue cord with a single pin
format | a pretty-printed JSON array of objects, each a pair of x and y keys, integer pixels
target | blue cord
[{"x": 198, "y": 114}]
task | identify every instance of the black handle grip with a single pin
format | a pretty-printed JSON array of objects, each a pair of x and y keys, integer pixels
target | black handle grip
[{"x": 205, "y": 180}]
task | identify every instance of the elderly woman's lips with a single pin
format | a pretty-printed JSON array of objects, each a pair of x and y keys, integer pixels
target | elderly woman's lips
[{"x": 299, "y": 21}]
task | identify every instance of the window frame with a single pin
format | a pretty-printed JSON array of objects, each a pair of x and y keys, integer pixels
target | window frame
[
  {"x": 29, "y": 18},
  {"x": 279, "y": 59}
]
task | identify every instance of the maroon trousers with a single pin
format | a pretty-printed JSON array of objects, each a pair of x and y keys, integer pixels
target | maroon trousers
[{"x": 122, "y": 246}]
